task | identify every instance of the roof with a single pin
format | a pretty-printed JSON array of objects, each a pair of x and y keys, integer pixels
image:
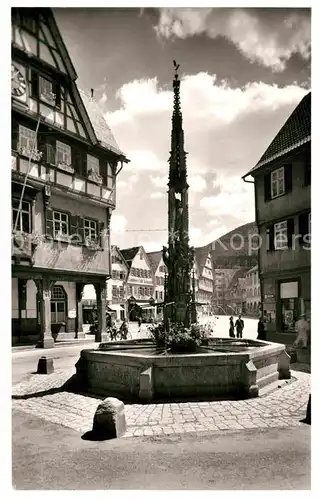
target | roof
[
  {"x": 154, "y": 258},
  {"x": 201, "y": 255},
  {"x": 294, "y": 133},
  {"x": 129, "y": 254},
  {"x": 99, "y": 124}
]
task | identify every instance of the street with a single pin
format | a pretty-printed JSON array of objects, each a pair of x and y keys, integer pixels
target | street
[
  {"x": 50, "y": 456},
  {"x": 25, "y": 362}
]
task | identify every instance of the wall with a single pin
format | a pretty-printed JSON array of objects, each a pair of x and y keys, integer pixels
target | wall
[
  {"x": 62, "y": 256},
  {"x": 283, "y": 259},
  {"x": 297, "y": 200}
]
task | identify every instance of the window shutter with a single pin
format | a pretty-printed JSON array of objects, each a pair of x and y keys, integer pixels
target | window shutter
[
  {"x": 34, "y": 84},
  {"x": 76, "y": 160},
  {"x": 288, "y": 178},
  {"x": 81, "y": 228},
  {"x": 303, "y": 228},
  {"x": 14, "y": 136},
  {"x": 270, "y": 238},
  {"x": 101, "y": 229},
  {"x": 74, "y": 232},
  {"x": 290, "y": 232},
  {"x": 50, "y": 154},
  {"x": 49, "y": 221},
  {"x": 267, "y": 187}
]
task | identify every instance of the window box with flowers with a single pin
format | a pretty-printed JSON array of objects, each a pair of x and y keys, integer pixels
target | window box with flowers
[{"x": 93, "y": 169}]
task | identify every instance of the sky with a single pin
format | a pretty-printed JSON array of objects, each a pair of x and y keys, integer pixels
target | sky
[{"x": 243, "y": 71}]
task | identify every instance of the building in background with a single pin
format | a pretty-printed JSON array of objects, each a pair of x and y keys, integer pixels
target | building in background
[
  {"x": 235, "y": 294},
  {"x": 204, "y": 279},
  {"x": 159, "y": 271},
  {"x": 117, "y": 294},
  {"x": 140, "y": 284},
  {"x": 222, "y": 278},
  {"x": 253, "y": 294},
  {"x": 64, "y": 162},
  {"x": 282, "y": 182}
]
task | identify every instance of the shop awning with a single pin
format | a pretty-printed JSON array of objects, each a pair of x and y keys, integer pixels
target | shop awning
[
  {"x": 145, "y": 305},
  {"x": 115, "y": 307}
]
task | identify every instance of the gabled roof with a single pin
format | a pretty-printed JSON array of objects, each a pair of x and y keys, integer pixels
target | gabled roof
[
  {"x": 115, "y": 249},
  {"x": 129, "y": 254},
  {"x": 295, "y": 132},
  {"x": 201, "y": 255},
  {"x": 154, "y": 259},
  {"x": 99, "y": 124}
]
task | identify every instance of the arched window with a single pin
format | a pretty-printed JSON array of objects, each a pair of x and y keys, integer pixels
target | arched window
[{"x": 58, "y": 305}]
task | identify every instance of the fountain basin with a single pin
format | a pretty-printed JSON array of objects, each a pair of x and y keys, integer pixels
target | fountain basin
[{"x": 224, "y": 367}]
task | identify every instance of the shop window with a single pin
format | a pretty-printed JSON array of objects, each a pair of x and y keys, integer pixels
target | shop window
[{"x": 290, "y": 305}]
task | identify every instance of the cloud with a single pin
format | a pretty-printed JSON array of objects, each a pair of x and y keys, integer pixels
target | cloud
[
  {"x": 269, "y": 37},
  {"x": 197, "y": 183},
  {"x": 141, "y": 160},
  {"x": 226, "y": 132},
  {"x": 156, "y": 195},
  {"x": 160, "y": 182},
  {"x": 118, "y": 224}
]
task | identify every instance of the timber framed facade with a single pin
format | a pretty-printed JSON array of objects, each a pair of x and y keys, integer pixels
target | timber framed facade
[{"x": 63, "y": 187}]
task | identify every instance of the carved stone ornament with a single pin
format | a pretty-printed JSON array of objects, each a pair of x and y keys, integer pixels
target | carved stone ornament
[{"x": 95, "y": 177}]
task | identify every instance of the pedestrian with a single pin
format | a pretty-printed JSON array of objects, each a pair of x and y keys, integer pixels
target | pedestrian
[
  {"x": 139, "y": 321},
  {"x": 124, "y": 330},
  {"x": 302, "y": 328},
  {"x": 261, "y": 330},
  {"x": 231, "y": 327},
  {"x": 239, "y": 327}
]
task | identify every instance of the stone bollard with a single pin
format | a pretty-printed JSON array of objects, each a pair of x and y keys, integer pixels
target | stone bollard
[
  {"x": 109, "y": 421},
  {"x": 251, "y": 389},
  {"x": 45, "y": 365},
  {"x": 146, "y": 386}
]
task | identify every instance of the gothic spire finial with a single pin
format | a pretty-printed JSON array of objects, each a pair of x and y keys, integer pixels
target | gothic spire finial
[{"x": 176, "y": 67}]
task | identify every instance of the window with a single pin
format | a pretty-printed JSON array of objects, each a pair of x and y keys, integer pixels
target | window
[
  {"x": 93, "y": 164},
  {"x": 277, "y": 182},
  {"x": 28, "y": 22},
  {"x": 114, "y": 275},
  {"x": 63, "y": 153},
  {"x": 121, "y": 275},
  {"x": 90, "y": 230},
  {"x": 46, "y": 91},
  {"x": 280, "y": 236},
  {"x": 114, "y": 291},
  {"x": 109, "y": 176},
  {"x": 60, "y": 224},
  {"x": 305, "y": 230},
  {"x": 58, "y": 305},
  {"x": 27, "y": 140},
  {"x": 24, "y": 218}
]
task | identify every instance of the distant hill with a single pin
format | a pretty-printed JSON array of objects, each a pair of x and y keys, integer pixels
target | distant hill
[{"x": 237, "y": 248}]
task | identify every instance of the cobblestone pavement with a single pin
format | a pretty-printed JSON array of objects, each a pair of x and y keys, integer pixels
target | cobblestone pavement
[{"x": 44, "y": 397}]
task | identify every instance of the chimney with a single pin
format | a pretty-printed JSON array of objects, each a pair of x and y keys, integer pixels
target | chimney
[{"x": 92, "y": 92}]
